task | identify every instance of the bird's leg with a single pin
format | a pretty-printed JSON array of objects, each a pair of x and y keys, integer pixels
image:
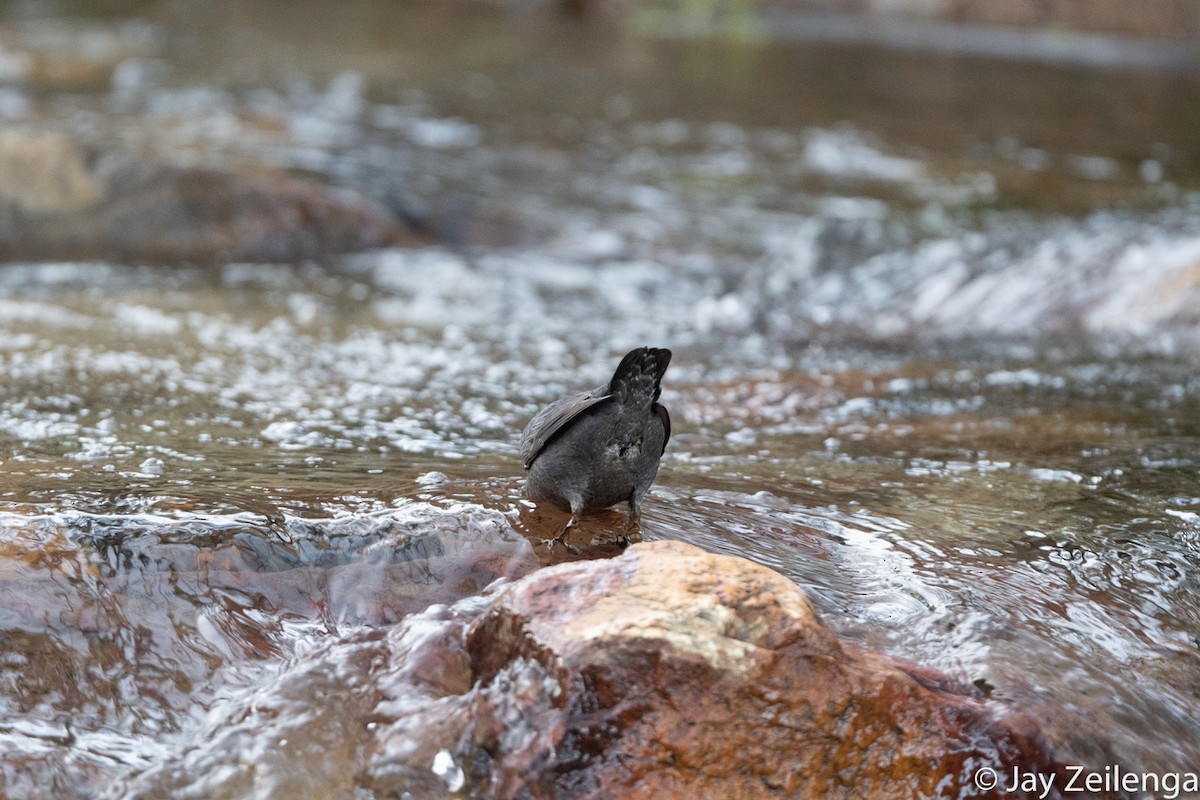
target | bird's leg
[{"x": 632, "y": 520}]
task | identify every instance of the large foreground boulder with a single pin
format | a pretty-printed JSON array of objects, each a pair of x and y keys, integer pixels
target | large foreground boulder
[
  {"x": 667, "y": 672},
  {"x": 60, "y": 200},
  {"x": 685, "y": 674}
]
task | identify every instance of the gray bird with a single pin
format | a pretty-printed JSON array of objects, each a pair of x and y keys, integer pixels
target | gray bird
[{"x": 595, "y": 449}]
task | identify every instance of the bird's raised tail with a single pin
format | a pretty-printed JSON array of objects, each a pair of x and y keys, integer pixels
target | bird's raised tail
[{"x": 639, "y": 375}]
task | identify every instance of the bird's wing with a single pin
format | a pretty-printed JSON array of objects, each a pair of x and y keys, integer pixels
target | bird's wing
[
  {"x": 551, "y": 419},
  {"x": 660, "y": 411}
]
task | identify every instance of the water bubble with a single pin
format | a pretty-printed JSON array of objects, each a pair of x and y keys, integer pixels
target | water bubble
[
  {"x": 432, "y": 478},
  {"x": 445, "y": 767},
  {"x": 151, "y": 466}
]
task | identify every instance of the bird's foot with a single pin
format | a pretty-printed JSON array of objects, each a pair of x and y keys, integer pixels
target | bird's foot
[
  {"x": 631, "y": 529},
  {"x": 562, "y": 538},
  {"x": 572, "y": 549}
]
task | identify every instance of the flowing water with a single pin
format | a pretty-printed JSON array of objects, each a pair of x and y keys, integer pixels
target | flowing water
[{"x": 934, "y": 359}]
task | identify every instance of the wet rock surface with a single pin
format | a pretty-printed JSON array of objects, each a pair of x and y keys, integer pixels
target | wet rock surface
[
  {"x": 665, "y": 672},
  {"x": 60, "y": 200}
]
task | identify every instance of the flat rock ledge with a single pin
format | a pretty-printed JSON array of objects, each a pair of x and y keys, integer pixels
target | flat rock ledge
[{"x": 667, "y": 672}]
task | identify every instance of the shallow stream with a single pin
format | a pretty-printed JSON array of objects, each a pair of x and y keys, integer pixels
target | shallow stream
[{"x": 924, "y": 363}]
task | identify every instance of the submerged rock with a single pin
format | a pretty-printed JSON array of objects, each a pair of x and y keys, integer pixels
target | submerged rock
[
  {"x": 208, "y": 604},
  {"x": 665, "y": 672},
  {"x": 58, "y": 200}
]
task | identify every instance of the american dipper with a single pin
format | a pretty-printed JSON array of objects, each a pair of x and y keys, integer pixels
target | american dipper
[{"x": 596, "y": 449}]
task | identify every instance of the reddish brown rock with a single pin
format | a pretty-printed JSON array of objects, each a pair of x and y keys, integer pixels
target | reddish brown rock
[
  {"x": 60, "y": 201},
  {"x": 667, "y": 672},
  {"x": 686, "y": 674}
]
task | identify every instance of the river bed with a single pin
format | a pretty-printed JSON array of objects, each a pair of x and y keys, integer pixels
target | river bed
[{"x": 934, "y": 360}]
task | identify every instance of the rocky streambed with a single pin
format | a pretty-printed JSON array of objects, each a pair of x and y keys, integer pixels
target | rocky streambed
[
  {"x": 277, "y": 295},
  {"x": 665, "y": 671}
]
